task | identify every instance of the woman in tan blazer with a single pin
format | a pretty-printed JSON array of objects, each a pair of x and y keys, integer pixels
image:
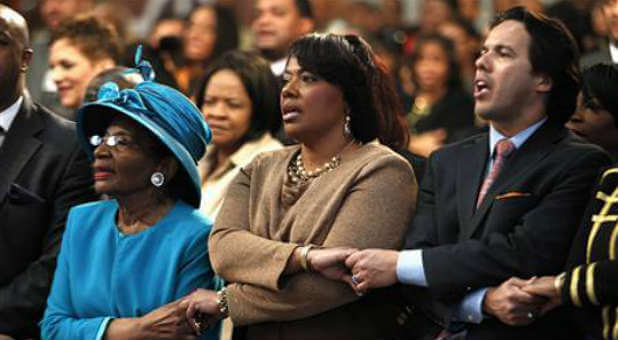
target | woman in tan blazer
[{"x": 285, "y": 212}]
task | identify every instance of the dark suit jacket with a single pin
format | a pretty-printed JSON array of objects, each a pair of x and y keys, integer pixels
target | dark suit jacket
[
  {"x": 601, "y": 56},
  {"x": 43, "y": 173},
  {"x": 523, "y": 228}
]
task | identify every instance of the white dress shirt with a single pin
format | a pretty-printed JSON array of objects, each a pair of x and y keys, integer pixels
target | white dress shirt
[
  {"x": 613, "y": 52},
  {"x": 8, "y": 116}
]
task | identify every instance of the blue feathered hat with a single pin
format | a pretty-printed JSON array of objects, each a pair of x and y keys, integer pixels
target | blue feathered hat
[{"x": 168, "y": 114}]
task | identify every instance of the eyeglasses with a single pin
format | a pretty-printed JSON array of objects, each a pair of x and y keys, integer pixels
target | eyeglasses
[{"x": 113, "y": 141}]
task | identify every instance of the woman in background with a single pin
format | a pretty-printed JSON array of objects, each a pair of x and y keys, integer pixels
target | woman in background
[
  {"x": 596, "y": 116},
  {"x": 80, "y": 49},
  {"x": 238, "y": 97},
  {"x": 441, "y": 107},
  {"x": 211, "y": 31}
]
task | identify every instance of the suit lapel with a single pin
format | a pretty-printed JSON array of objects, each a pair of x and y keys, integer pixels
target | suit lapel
[
  {"x": 537, "y": 147},
  {"x": 19, "y": 145},
  {"x": 470, "y": 167}
]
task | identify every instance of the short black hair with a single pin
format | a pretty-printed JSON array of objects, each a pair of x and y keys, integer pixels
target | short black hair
[
  {"x": 600, "y": 84},
  {"x": 349, "y": 63},
  {"x": 304, "y": 8},
  {"x": 260, "y": 84},
  {"x": 553, "y": 52}
]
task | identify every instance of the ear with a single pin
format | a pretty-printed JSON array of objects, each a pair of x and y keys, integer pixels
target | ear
[
  {"x": 169, "y": 167},
  {"x": 26, "y": 56},
  {"x": 544, "y": 83}
]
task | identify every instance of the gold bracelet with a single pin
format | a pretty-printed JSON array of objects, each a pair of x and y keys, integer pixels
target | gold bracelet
[
  {"x": 304, "y": 261},
  {"x": 224, "y": 309},
  {"x": 559, "y": 283}
]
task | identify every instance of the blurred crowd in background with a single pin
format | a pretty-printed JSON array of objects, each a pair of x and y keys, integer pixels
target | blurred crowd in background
[{"x": 428, "y": 46}]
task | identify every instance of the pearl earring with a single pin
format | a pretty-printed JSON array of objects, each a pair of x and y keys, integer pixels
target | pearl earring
[
  {"x": 157, "y": 179},
  {"x": 347, "y": 129}
]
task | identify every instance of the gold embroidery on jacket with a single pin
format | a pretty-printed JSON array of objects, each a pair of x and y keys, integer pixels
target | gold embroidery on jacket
[
  {"x": 606, "y": 323},
  {"x": 597, "y": 219},
  {"x": 574, "y": 282},
  {"x": 590, "y": 284},
  {"x": 615, "y": 335},
  {"x": 608, "y": 172},
  {"x": 612, "y": 244}
]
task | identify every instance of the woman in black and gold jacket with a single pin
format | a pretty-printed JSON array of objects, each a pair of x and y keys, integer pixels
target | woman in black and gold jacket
[
  {"x": 591, "y": 279},
  {"x": 591, "y": 282}
]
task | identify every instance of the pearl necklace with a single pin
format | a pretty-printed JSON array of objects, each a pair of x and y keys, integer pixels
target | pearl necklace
[{"x": 298, "y": 173}]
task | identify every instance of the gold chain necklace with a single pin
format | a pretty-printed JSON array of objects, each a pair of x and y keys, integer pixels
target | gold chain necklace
[{"x": 298, "y": 173}]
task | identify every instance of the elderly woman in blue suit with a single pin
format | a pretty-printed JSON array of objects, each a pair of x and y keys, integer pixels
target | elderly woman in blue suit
[{"x": 125, "y": 262}]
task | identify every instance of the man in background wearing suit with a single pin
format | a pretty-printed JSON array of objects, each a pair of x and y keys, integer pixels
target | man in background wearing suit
[
  {"x": 608, "y": 52},
  {"x": 42, "y": 175},
  {"x": 500, "y": 204},
  {"x": 277, "y": 24}
]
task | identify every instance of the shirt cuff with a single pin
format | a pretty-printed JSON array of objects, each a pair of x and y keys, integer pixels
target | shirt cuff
[
  {"x": 103, "y": 328},
  {"x": 470, "y": 309},
  {"x": 410, "y": 268}
]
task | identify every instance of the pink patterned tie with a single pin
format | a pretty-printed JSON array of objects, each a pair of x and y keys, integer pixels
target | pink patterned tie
[{"x": 504, "y": 148}]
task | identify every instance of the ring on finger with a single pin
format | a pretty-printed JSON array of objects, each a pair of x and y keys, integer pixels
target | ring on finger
[
  {"x": 198, "y": 326},
  {"x": 355, "y": 280},
  {"x": 530, "y": 315}
]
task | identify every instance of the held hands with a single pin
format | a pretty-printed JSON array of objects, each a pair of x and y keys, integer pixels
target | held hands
[
  {"x": 361, "y": 269},
  {"x": 166, "y": 322},
  {"x": 330, "y": 263},
  {"x": 373, "y": 268},
  {"x": 518, "y": 302},
  {"x": 546, "y": 287},
  {"x": 202, "y": 309},
  {"x": 510, "y": 303}
]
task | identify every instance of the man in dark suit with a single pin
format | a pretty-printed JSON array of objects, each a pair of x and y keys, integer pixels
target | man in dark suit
[
  {"x": 42, "y": 175},
  {"x": 501, "y": 204}
]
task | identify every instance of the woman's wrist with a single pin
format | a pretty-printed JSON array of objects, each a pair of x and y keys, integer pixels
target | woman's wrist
[
  {"x": 305, "y": 263},
  {"x": 294, "y": 264},
  {"x": 124, "y": 328},
  {"x": 222, "y": 304},
  {"x": 559, "y": 284}
]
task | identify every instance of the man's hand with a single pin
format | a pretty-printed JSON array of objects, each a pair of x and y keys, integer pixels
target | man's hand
[
  {"x": 373, "y": 268},
  {"x": 511, "y": 304}
]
